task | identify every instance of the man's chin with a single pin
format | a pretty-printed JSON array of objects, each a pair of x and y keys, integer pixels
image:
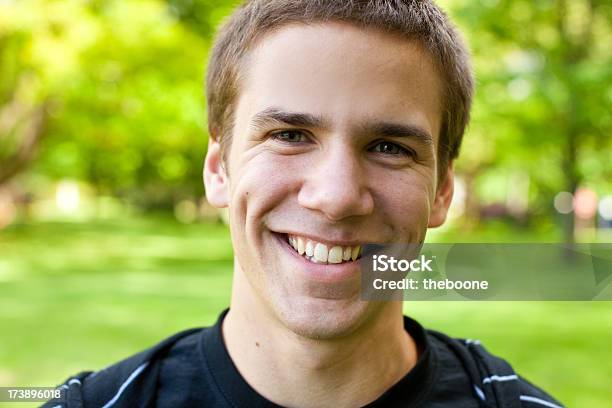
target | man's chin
[{"x": 323, "y": 319}]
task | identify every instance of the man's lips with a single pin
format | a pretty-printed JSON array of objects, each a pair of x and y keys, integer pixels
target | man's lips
[
  {"x": 323, "y": 252},
  {"x": 320, "y": 271}
]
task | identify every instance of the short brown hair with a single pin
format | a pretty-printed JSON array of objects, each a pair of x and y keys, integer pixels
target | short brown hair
[{"x": 419, "y": 20}]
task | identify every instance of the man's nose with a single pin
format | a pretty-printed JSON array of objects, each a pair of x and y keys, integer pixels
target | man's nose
[{"x": 336, "y": 186}]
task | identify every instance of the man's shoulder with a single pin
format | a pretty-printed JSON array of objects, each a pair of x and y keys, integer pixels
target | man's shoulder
[
  {"x": 127, "y": 381},
  {"x": 493, "y": 379}
]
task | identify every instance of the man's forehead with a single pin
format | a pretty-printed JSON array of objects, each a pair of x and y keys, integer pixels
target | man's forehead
[
  {"x": 316, "y": 34},
  {"x": 342, "y": 70}
]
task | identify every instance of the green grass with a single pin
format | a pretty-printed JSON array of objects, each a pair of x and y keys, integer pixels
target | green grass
[{"x": 80, "y": 296}]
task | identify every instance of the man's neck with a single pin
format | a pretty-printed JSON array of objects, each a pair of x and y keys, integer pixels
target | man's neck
[{"x": 291, "y": 370}]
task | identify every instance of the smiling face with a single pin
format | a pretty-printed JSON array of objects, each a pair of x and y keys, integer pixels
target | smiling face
[{"x": 334, "y": 146}]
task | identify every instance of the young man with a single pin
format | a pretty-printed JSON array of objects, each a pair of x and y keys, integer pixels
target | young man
[{"x": 332, "y": 124}]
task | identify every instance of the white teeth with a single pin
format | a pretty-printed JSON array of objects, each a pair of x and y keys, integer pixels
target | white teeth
[
  {"x": 320, "y": 252},
  {"x": 355, "y": 253},
  {"x": 335, "y": 255},
  {"x": 346, "y": 255},
  {"x": 309, "y": 248}
]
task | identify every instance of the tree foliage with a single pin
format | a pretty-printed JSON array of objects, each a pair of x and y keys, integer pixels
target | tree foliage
[
  {"x": 544, "y": 88},
  {"x": 126, "y": 80}
]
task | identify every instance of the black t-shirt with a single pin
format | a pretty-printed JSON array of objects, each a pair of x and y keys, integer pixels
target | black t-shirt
[{"x": 194, "y": 369}]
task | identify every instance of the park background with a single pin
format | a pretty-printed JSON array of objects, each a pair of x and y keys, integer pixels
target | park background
[{"x": 107, "y": 244}]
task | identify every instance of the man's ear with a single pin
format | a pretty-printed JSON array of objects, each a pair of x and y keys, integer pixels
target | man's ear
[
  {"x": 216, "y": 181},
  {"x": 442, "y": 202}
]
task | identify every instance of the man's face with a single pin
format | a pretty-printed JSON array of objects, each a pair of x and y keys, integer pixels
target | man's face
[{"x": 334, "y": 146}]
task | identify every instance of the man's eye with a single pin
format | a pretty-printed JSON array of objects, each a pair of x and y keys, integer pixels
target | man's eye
[
  {"x": 391, "y": 148},
  {"x": 289, "y": 136}
]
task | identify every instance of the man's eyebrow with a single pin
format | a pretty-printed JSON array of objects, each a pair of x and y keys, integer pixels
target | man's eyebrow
[
  {"x": 390, "y": 129},
  {"x": 281, "y": 117},
  {"x": 276, "y": 116}
]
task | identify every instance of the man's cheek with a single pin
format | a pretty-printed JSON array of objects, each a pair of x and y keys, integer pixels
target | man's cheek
[
  {"x": 414, "y": 223},
  {"x": 255, "y": 194},
  {"x": 265, "y": 183},
  {"x": 405, "y": 192},
  {"x": 410, "y": 213}
]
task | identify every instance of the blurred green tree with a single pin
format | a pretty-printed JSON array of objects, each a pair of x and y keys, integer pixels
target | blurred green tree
[
  {"x": 23, "y": 111},
  {"x": 126, "y": 78},
  {"x": 544, "y": 88}
]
